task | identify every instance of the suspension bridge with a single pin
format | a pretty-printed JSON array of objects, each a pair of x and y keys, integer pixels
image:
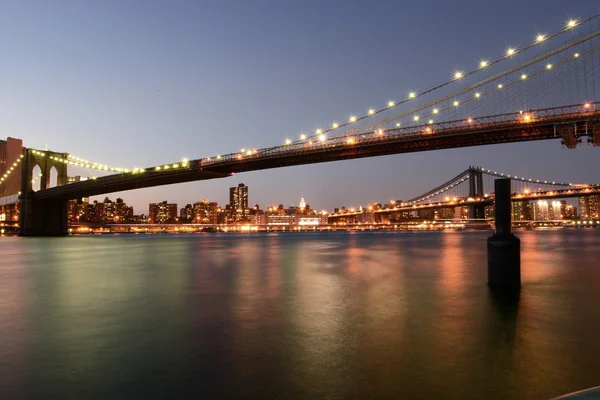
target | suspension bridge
[
  {"x": 471, "y": 191},
  {"x": 543, "y": 90}
]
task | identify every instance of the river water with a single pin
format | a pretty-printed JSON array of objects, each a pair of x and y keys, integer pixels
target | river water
[{"x": 373, "y": 315}]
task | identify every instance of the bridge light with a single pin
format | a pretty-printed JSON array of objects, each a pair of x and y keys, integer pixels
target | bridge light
[
  {"x": 416, "y": 118},
  {"x": 288, "y": 141},
  {"x": 380, "y": 131},
  {"x": 587, "y": 105},
  {"x": 510, "y": 51},
  {"x": 524, "y": 76},
  {"x": 322, "y": 138},
  {"x": 458, "y": 75},
  {"x": 352, "y": 118},
  {"x": 470, "y": 120},
  {"x": 397, "y": 124},
  {"x": 412, "y": 95},
  {"x": 576, "y": 55},
  {"x": 218, "y": 157},
  {"x": 335, "y": 125},
  {"x": 157, "y": 168},
  {"x": 483, "y": 63},
  {"x": 302, "y": 137},
  {"x": 500, "y": 86},
  {"x": 455, "y": 104},
  {"x": 571, "y": 23},
  {"x": 319, "y": 131},
  {"x": 350, "y": 141},
  {"x": 549, "y": 66},
  {"x": 435, "y": 111},
  {"x": 430, "y": 121},
  {"x": 477, "y": 95},
  {"x": 540, "y": 38},
  {"x": 391, "y": 104}
]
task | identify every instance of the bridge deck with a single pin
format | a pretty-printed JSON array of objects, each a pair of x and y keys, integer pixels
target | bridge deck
[{"x": 507, "y": 128}]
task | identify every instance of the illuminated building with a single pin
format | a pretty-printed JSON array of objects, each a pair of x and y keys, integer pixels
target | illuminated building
[
  {"x": 206, "y": 212},
  {"x": 521, "y": 211},
  {"x": 444, "y": 213},
  {"x": 589, "y": 207},
  {"x": 461, "y": 212},
  {"x": 568, "y": 211},
  {"x": 10, "y": 151},
  {"x": 545, "y": 210},
  {"x": 238, "y": 202},
  {"x": 186, "y": 214},
  {"x": 162, "y": 213}
]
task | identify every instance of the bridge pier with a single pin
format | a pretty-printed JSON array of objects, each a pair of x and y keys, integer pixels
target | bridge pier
[
  {"x": 42, "y": 217},
  {"x": 504, "y": 248},
  {"x": 477, "y": 212}
]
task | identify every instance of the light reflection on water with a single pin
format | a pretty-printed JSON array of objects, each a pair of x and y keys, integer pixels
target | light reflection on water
[{"x": 294, "y": 316}]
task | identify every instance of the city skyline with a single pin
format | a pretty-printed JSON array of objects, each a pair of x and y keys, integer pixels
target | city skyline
[{"x": 92, "y": 100}]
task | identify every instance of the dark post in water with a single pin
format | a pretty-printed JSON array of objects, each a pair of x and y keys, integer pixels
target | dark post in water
[{"x": 504, "y": 248}]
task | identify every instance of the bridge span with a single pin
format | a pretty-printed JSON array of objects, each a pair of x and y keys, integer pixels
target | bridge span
[{"x": 44, "y": 212}]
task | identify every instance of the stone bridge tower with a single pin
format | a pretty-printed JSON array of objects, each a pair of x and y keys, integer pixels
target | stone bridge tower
[{"x": 47, "y": 217}]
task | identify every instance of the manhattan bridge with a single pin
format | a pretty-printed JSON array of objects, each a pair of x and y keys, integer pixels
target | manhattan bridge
[{"x": 544, "y": 89}]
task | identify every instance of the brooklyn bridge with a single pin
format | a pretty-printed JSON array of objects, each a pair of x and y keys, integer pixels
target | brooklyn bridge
[{"x": 543, "y": 90}]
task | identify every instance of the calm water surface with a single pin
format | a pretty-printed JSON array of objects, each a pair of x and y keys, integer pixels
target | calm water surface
[{"x": 296, "y": 316}]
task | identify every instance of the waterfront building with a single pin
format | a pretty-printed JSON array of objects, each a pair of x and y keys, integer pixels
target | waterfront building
[
  {"x": 186, "y": 214},
  {"x": 10, "y": 151},
  {"x": 589, "y": 207},
  {"x": 205, "y": 212},
  {"x": 545, "y": 210},
  {"x": 162, "y": 213},
  {"x": 521, "y": 211},
  {"x": 238, "y": 202},
  {"x": 568, "y": 210},
  {"x": 9, "y": 214}
]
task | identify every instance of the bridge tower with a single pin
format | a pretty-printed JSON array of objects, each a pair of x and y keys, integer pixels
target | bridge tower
[
  {"x": 476, "y": 190},
  {"x": 42, "y": 217}
]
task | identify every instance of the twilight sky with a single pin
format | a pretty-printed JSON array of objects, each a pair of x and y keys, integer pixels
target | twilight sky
[{"x": 141, "y": 82}]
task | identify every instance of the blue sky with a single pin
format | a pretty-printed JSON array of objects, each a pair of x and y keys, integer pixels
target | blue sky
[{"x": 139, "y": 83}]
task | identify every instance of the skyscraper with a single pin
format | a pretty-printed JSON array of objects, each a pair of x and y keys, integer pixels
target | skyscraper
[{"x": 238, "y": 201}]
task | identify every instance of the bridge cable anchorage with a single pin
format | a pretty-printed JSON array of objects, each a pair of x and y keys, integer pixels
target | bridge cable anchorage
[{"x": 458, "y": 75}]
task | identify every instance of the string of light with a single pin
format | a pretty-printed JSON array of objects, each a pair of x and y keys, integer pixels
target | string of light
[
  {"x": 15, "y": 164},
  {"x": 453, "y": 96},
  {"x": 458, "y": 75},
  {"x": 502, "y": 86}
]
